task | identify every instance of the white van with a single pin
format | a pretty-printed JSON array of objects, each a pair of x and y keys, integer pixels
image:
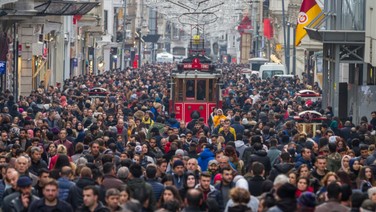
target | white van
[{"x": 269, "y": 70}]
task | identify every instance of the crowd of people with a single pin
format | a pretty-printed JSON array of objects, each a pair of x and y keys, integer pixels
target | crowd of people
[{"x": 66, "y": 149}]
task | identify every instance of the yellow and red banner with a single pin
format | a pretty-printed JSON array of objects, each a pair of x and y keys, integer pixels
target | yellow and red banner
[{"x": 308, "y": 12}]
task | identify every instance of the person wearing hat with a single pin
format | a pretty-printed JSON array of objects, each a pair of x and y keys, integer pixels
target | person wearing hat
[
  {"x": 21, "y": 200},
  {"x": 307, "y": 202},
  {"x": 178, "y": 173},
  {"x": 213, "y": 169}
]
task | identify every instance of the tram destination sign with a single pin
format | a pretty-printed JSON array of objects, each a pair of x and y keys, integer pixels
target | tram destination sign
[{"x": 199, "y": 67}]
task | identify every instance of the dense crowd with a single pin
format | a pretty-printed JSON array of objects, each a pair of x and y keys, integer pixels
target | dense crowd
[{"x": 66, "y": 149}]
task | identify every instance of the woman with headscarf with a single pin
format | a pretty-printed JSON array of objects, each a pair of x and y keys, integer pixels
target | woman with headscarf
[
  {"x": 189, "y": 183},
  {"x": 345, "y": 164},
  {"x": 355, "y": 167}
]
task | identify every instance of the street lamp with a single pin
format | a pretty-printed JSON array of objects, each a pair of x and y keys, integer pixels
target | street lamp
[
  {"x": 292, "y": 19},
  {"x": 139, "y": 46}
]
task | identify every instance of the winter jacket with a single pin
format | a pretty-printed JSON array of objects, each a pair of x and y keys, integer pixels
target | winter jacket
[
  {"x": 158, "y": 188},
  {"x": 255, "y": 185},
  {"x": 192, "y": 209},
  {"x": 300, "y": 160},
  {"x": 178, "y": 180},
  {"x": 252, "y": 204},
  {"x": 371, "y": 159},
  {"x": 262, "y": 157},
  {"x": 214, "y": 194},
  {"x": 330, "y": 205},
  {"x": 284, "y": 205},
  {"x": 68, "y": 144},
  {"x": 2, "y": 190},
  {"x": 204, "y": 159},
  {"x": 75, "y": 196},
  {"x": 239, "y": 208},
  {"x": 138, "y": 186},
  {"x": 239, "y": 129},
  {"x": 99, "y": 208},
  {"x": 173, "y": 123},
  {"x": 273, "y": 154},
  {"x": 15, "y": 204},
  {"x": 40, "y": 206},
  {"x": 35, "y": 167},
  {"x": 217, "y": 119},
  {"x": 277, "y": 169},
  {"x": 110, "y": 181},
  {"x": 157, "y": 125},
  {"x": 248, "y": 151},
  {"x": 240, "y": 147},
  {"x": 219, "y": 187},
  {"x": 64, "y": 186}
]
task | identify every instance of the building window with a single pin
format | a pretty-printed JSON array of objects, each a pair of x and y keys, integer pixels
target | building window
[{"x": 105, "y": 20}]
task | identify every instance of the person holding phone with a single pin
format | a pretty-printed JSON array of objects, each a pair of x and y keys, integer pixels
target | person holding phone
[{"x": 21, "y": 200}]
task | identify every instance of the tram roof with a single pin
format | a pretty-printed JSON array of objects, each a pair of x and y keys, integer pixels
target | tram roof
[
  {"x": 202, "y": 58},
  {"x": 192, "y": 74}
]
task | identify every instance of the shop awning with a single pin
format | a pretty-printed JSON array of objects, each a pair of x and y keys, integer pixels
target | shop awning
[{"x": 65, "y": 8}]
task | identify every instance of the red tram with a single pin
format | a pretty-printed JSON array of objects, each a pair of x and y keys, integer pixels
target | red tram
[{"x": 195, "y": 86}]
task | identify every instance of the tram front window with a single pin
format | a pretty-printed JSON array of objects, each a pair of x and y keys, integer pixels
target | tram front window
[
  {"x": 190, "y": 89},
  {"x": 201, "y": 89}
]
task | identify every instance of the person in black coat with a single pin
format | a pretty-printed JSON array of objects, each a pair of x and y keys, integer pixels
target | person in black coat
[
  {"x": 75, "y": 196},
  {"x": 261, "y": 156},
  {"x": 283, "y": 168},
  {"x": 255, "y": 183}
]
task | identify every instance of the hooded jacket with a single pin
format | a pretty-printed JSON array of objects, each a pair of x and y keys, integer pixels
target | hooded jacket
[
  {"x": 75, "y": 197},
  {"x": 240, "y": 147},
  {"x": 282, "y": 168},
  {"x": 204, "y": 159},
  {"x": 262, "y": 157}
]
